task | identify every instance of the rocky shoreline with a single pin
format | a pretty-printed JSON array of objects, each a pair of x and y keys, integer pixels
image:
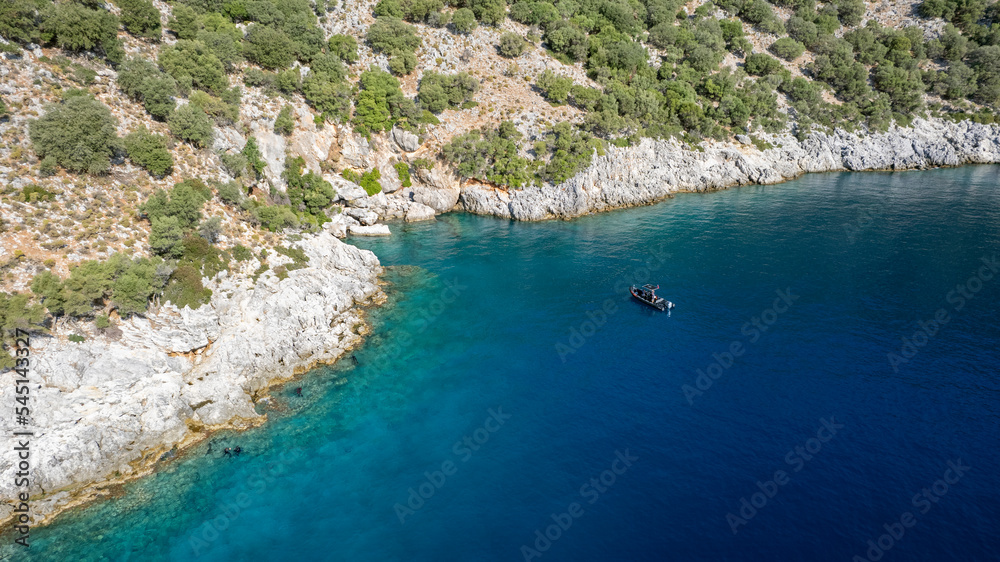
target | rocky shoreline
[
  {"x": 654, "y": 170},
  {"x": 108, "y": 409},
  {"x": 114, "y": 407}
]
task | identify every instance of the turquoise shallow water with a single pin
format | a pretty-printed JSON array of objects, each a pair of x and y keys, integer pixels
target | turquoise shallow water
[{"x": 529, "y": 324}]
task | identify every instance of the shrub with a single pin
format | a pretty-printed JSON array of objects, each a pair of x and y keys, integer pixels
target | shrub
[
  {"x": 392, "y": 36},
  {"x": 369, "y": 182},
  {"x": 191, "y": 124},
  {"x": 380, "y": 102},
  {"x": 34, "y": 192},
  {"x": 268, "y": 47},
  {"x": 149, "y": 151},
  {"x": 464, "y": 20},
  {"x": 402, "y": 63},
  {"x": 142, "y": 81},
  {"x": 787, "y": 48},
  {"x": 760, "y": 14},
  {"x": 307, "y": 193},
  {"x": 191, "y": 64},
  {"x": 186, "y": 289},
  {"x": 231, "y": 193},
  {"x": 165, "y": 236},
  {"x": 555, "y": 88},
  {"x": 760, "y": 64},
  {"x": 344, "y": 47},
  {"x": 183, "y": 203},
  {"x": 140, "y": 18},
  {"x": 75, "y": 27},
  {"x": 491, "y": 12},
  {"x": 511, "y": 45},
  {"x": 403, "y": 172},
  {"x": 241, "y": 253},
  {"x": 438, "y": 92},
  {"x": 78, "y": 134},
  {"x": 102, "y": 322},
  {"x": 275, "y": 217},
  {"x": 19, "y": 21},
  {"x": 221, "y": 111},
  {"x": 210, "y": 229},
  {"x": 284, "y": 124},
  {"x": 252, "y": 153},
  {"x": 489, "y": 155}
]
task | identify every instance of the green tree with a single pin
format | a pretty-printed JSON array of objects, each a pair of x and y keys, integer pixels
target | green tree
[
  {"x": 760, "y": 64},
  {"x": 284, "y": 124},
  {"x": 140, "y": 18},
  {"x": 193, "y": 65},
  {"x": 464, "y": 20},
  {"x": 78, "y": 134},
  {"x": 185, "y": 288},
  {"x": 392, "y": 36},
  {"x": 511, "y": 45},
  {"x": 787, "y": 48},
  {"x": 555, "y": 88},
  {"x": 191, "y": 124},
  {"x": 19, "y": 21},
  {"x": 49, "y": 288},
  {"x": 149, "y": 151},
  {"x": 490, "y": 12},
  {"x": 75, "y": 27},
  {"x": 17, "y": 312},
  {"x": 165, "y": 236},
  {"x": 308, "y": 193},
  {"x": 268, "y": 47},
  {"x": 345, "y": 47}
]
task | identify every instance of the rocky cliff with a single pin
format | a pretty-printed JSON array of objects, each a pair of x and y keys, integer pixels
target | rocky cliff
[
  {"x": 107, "y": 409},
  {"x": 653, "y": 170}
]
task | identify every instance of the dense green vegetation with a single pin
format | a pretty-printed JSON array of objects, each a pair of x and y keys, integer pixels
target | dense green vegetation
[
  {"x": 284, "y": 123},
  {"x": 438, "y": 92},
  {"x": 149, "y": 151},
  {"x": 188, "y": 122},
  {"x": 398, "y": 40},
  {"x": 308, "y": 194},
  {"x": 489, "y": 155},
  {"x": 77, "y": 134}
]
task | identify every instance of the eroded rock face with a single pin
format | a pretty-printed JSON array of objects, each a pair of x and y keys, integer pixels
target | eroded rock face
[
  {"x": 653, "y": 170},
  {"x": 406, "y": 140},
  {"x": 112, "y": 403}
]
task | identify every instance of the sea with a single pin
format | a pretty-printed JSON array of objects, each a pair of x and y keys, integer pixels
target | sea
[{"x": 826, "y": 389}]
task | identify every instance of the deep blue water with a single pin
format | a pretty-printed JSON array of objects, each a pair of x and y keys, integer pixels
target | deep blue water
[{"x": 491, "y": 317}]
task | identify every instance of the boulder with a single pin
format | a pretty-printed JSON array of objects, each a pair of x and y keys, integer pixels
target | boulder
[
  {"x": 405, "y": 139},
  {"x": 373, "y": 230},
  {"x": 441, "y": 200},
  {"x": 419, "y": 212}
]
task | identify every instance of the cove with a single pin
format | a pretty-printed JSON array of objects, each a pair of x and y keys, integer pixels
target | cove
[{"x": 513, "y": 403}]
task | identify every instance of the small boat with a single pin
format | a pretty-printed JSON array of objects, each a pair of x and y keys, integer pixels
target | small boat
[{"x": 647, "y": 294}]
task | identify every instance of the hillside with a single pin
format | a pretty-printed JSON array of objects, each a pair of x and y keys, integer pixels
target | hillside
[{"x": 171, "y": 173}]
